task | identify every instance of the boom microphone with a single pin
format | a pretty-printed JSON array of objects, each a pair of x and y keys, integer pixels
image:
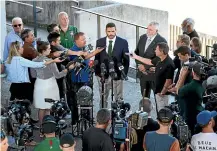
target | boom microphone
[{"x": 112, "y": 72}]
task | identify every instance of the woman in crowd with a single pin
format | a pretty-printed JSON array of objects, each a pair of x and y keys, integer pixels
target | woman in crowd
[
  {"x": 196, "y": 45},
  {"x": 4, "y": 141},
  {"x": 17, "y": 72},
  {"x": 45, "y": 84}
]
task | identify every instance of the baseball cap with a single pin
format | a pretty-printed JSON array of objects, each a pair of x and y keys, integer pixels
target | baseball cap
[
  {"x": 67, "y": 140},
  {"x": 165, "y": 115},
  {"x": 205, "y": 116},
  {"x": 197, "y": 68},
  {"x": 48, "y": 124}
]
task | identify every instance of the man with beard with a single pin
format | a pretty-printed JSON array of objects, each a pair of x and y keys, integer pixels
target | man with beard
[{"x": 114, "y": 51}]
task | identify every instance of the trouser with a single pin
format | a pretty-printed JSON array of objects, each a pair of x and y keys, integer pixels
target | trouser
[
  {"x": 161, "y": 101},
  {"x": 117, "y": 87},
  {"x": 60, "y": 85},
  {"x": 146, "y": 87},
  {"x": 191, "y": 119}
]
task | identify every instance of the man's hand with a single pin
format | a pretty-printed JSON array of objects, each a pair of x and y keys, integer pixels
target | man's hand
[
  {"x": 98, "y": 50},
  {"x": 141, "y": 67},
  {"x": 152, "y": 69}
]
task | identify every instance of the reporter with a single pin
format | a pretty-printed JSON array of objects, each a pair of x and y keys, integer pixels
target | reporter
[
  {"x": 17, "y": 72},
  {"x": 45, "y": 84},
  {"x": 4, "y": 141}
]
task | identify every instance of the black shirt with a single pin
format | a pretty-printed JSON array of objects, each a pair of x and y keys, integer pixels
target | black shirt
[
  {"x": 152, "y": 125},
  {"x": 192, "y": 34},
  {"x": 164, "y": 70},
  {"x": 96, "y": 139}
]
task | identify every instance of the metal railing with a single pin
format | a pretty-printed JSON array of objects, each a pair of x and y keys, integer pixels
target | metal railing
[
  {"x": 206, "y": 40},
  {"x": 36, "y": 10},
  {"x": 112, "y": 18}
]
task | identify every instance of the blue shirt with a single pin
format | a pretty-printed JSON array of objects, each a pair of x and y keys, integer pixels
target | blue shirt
[
  {"x": 11, "y": 37},
  {"x": 83, "y": 75},
  {"x": 17, "y": 70}
]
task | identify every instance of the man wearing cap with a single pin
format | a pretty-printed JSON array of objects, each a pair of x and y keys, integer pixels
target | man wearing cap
[
  {"x": 207, "y": 139},
  {"x": 50, "y": 143},
  {"x": 192, "y": 95},
  {"x": 67, "y": 142},
  {"x": 161, "y": 140}
]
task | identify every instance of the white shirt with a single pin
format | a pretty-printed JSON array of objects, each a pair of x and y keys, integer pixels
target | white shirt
[
  {"x": 204, "y": 142},
  {"x": 107, "y": 43},
  {"x": 149, "y": 41}
]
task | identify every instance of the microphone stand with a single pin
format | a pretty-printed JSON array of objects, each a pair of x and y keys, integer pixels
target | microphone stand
[{"x": 102, "y": 80}]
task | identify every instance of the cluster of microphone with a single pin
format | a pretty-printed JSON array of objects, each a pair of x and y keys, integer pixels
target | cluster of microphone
[{"x": 112, "y": 73}]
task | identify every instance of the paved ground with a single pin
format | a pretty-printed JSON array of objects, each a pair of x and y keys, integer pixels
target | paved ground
[{"x": 131, "y": 95}]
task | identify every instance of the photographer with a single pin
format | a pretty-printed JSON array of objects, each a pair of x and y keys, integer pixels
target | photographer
[
  {"x": 96, "y": 138},
  {"x": 152, "y": 125},
  {"x": 50, "y": 143},
  {"x": 4, "y": 141},
  {"x": 161, "y": 140},
  {"x": 207, "y": 139},
  {"x": 192, "y": 95}
]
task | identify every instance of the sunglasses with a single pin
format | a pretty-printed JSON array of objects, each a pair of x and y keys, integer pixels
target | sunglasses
[{"x": 17, "y": 25}]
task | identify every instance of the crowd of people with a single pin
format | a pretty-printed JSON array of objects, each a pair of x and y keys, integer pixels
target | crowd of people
[{"x": 37, "y": 67}]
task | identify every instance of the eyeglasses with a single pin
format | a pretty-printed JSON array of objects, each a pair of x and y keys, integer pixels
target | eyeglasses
[{"x": 17, "y": 25}]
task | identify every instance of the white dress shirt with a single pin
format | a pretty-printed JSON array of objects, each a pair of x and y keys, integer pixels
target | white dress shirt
[
  {"x": 149, "y": 41},
  {"x": 107, "y": 43}
]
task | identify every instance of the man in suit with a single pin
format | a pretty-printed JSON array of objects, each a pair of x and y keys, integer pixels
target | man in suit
[
  {"x": 146, "y": 48},
  {"x": 115, "y": 49}
]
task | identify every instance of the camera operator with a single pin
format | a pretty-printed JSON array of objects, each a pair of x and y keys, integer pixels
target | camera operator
[
  {"x": 67, "y": 142},
  {"x": 207, "y": 139},
  {"x": 192, "y": 95},
  {"x": 4, "y": 141},
  {"x": 96, "y": 138},
  {"x": 183, "y": 52},
  {"x": 50, "y": 142},
  {"x": 160, "y": 139},
  {"x": 164, "y": 72},
  {"x": 152, "y": 125}
]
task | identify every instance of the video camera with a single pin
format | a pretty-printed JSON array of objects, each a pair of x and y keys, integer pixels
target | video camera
[
  {"x": 119, "y": 122},
  {"x": 179, "y": 128}
]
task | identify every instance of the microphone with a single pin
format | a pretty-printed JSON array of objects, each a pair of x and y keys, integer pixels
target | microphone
[
  {"x": 103, "y": 69},
  {"x": 112, "y": 72},
  {"x": 92, "y": 65},
  {"x": 121, "y": 68}
]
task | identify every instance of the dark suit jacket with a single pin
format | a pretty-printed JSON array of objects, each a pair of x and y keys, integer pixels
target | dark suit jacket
[
  {"x": 118, "y": 56},
  {"x": 149, "y": 53}
]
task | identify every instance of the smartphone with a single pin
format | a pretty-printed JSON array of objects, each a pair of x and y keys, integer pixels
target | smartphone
[
  {"x": 129, "y": 54},
  {"x": 101, "y": 47}
]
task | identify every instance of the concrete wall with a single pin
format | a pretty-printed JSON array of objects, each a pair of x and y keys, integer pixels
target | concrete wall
[
  {"x": 91, "y": 4},
  {"x": 47, "y": 16},
  {"x": 139, "y": 15},
  {"x": 3, "y": 28}
]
